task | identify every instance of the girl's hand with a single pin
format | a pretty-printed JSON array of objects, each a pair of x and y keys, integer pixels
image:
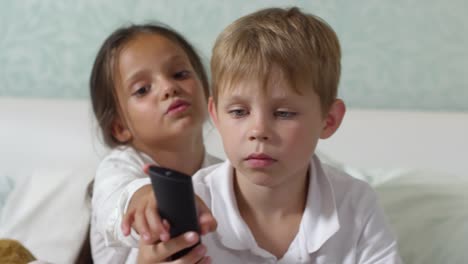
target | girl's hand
[
  {"x": 143, "y": 216},
  {"x": 160, "y": 252}
]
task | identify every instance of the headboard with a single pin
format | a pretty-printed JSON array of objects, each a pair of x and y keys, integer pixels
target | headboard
[{"x": 397, "y": 139}]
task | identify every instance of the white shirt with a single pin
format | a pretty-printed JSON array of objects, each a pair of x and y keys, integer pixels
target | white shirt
[
  {"x": 119, "y": 175},
  {"x": 342, "y": 222}
]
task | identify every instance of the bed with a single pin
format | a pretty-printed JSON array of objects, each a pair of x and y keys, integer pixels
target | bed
[{"x": 416, "y": 161}]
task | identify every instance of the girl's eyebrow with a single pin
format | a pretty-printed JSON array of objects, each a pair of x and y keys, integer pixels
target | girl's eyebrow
[
  {"x": 141, "y": 73},
  {"x": 176, "y": 59},
  {"x": 134, "y": 76}
]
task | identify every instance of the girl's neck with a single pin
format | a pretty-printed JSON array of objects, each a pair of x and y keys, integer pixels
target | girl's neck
[{"x": 185, "y": 154}]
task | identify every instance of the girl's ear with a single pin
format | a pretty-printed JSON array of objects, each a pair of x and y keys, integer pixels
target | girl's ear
[
  {"x": 212, "y": 111},
  {"x": 120, "y": 131},
  {"x": 333, "y": 118}
]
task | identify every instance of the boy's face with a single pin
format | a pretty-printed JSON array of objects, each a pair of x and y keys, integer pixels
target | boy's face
[
  {"x": 270, "y": 135},
  {"x": 160, "y": 96}
]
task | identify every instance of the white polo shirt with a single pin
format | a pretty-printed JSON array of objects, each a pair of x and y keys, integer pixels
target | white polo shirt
[{"x": 342, "y": 222}]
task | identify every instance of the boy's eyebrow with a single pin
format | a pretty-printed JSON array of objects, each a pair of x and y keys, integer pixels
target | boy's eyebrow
[
  {"x": 243, "y": 98},
  {"x": 235, "y": 98}
]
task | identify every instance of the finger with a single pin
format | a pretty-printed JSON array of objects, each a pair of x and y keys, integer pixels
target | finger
[
  {"x": 156, "y": 223},
  {"x": 165, "y": 236},
  {"x": 127, "y": 222},
  {"x": 166, "y": 249},
  {"x": 146, "y": 168},
  {"x": 166, "y": 224},
  {"x": 141, "y": 226},
  {"x": 207, "y": 223},
  {"x": 146, "y": 254},
  {"x": 201, "y": 206},
  {"x": 205, "y": 260},
  {"x": 194, "y": 256},
  {"x": 156, "y": 227}
]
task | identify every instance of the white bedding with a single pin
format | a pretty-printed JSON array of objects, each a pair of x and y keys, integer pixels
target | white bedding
[
  {"x": 416, "y": 161},
  {"x": 429, "y": 213}
]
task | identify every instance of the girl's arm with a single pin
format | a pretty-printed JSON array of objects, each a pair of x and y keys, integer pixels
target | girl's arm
[{"x": 113, "y": 183}]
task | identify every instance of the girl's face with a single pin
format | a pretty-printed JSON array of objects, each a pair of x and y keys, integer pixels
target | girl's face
[{"x": 161, "y": 98}]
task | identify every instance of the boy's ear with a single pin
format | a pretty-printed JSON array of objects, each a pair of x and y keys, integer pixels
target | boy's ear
[
  {"x": 332, "y": 120},
  {"x": 120, "y": 131},
  {"x": 212, "y": 111}
]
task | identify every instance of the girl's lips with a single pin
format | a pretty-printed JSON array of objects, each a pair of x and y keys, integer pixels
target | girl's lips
[{"x": 177, "y": 107}]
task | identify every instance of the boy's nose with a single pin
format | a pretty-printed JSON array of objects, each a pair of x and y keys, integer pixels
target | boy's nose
[
  {"x": 258, "y": 136},
  {"x": 259, "y": 131}
]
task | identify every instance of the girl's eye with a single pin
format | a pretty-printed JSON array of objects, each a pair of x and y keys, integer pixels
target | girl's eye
[
  {"x": 236, "y": 113},
  {"x": 285, "y": 114},
  {"x": 143, "y": 90},
  {"x": 181, "y": 75}
]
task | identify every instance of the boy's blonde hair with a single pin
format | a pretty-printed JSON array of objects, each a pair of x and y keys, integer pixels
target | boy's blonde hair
[{"x": 303, "y": 46}]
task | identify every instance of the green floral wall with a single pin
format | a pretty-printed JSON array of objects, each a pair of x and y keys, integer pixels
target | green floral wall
[{"x": 396, "y": 54}]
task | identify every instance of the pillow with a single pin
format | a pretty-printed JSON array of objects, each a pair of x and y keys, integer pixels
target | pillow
[
  {"x": 6, "y": 185},
  {"x": 48, "y": 211},
  {"x": 429, "y": 212}
]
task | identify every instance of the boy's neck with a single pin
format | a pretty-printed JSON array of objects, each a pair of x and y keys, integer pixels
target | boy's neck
[
  {"x": 282, "y": 208},
  {"x": 287, "y": 198},
  {"x": 185, "y": 155}
]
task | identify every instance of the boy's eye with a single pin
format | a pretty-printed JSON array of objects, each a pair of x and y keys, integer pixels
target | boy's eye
[
  {"x": 285, "y": 114},
  {"x": 236, "y": 113},
  {"x": 181, "y": 75},
  {"x": 143, "y": 90}
]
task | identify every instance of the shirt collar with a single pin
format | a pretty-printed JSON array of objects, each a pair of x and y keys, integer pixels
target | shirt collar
[
  {"x": 232, "y": 231},
  {"x": 319, "y": 221}
]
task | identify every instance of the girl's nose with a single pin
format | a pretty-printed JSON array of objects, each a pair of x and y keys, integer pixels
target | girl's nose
[{"x": 170, "y": 89}]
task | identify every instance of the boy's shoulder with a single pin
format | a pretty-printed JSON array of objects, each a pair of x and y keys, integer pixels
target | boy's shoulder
[
  {"x": 340, "y": 177},
  {"x": 204, "y": 175},
  {"x": 212, "y": 181},
  {"x": 347, "y": 188}
]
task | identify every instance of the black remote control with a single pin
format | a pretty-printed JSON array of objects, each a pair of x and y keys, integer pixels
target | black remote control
[{"x": 176, "y": 202}]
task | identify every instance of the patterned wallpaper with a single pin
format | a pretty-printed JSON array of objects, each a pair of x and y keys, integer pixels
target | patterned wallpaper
[{"x": 396, "y": 54}]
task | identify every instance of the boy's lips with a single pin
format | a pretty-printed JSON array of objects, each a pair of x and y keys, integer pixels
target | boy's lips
[
  {"x": 177, "y": 106},
  {"x": 259, "y": 160}
]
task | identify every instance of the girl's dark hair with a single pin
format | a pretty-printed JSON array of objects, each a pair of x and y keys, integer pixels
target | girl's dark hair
[{"x": 102, "y": 82}]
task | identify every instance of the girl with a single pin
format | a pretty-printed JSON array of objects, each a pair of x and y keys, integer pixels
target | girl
[{"x": 148, "y": 92}]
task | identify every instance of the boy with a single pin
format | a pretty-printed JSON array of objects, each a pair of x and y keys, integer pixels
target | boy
[{"x": 275, "y": 78}]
